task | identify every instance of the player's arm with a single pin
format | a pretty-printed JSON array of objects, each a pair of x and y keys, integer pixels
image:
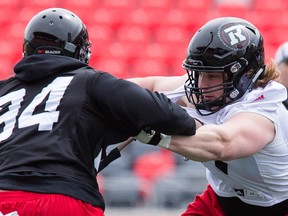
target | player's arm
[
  {"x": 163, "y": 84},
  {"x": 127, "y": 104},
  {"x": 160, "y": 83},
  {"x": 241, "y": 136}
]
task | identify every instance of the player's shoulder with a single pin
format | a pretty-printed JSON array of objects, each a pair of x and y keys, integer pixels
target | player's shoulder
[{"x": 83, "y": 73}]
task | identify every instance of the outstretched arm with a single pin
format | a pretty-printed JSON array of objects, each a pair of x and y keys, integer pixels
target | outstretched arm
[
  {"x": 127, "y": 104},
  {"x": 241, "y": 136},
  {"x": 160, "y": 83},
  {"x": 163, "y": 84}
]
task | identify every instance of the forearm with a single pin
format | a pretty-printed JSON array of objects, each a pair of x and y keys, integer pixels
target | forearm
[
  {"x": 229, "y": 141},
  {"x": 144, "y": 82},
  {"x": 160, "y": 83},
  {"x": 205, "y": 145}
]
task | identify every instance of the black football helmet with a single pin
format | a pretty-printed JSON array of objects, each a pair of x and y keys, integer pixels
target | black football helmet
[
  {"x": 57, "y": 31},
  {"x": 229, "y": 45}
]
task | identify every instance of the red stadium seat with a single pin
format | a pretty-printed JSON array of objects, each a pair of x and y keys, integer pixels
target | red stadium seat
[
  {"x": 125, "y": 51},
  {"x": 10, "y": 3},
  {"x": 277, "y": 35},
  {"x": 75, "y": 4},
  {"x": 265, "y": 20},
  {"x": 43, "y": 4},
  {"x": 147, "y": 67},
  {"x": 195, "y": 19},
  {"x": 156, "y": 4},
  {"x": 131, "y": 50},
  {"x": 11, "y": 48},
  {"x": 169, "y": 57},
  {"x": 16, "y": 30},
  {"x": 138, "y": 17},
  {"x": 173, "y": 35},
  {"x": 117, "y": 50},
  {"x": 120, "y": 4},
  {"x": 176, "y": 17},
  {"x": 196, "y": 5},
  {"x": 270, "y": 5},
  {"x": 151, "y": 166},
  {"x": 154, "y": 51},
  {"x": 133, "y": 33},
  {"x": 115, "y": 66},
  {"x": 149, "y": 18},
  {"x": 7, "y": 16},
  {"x": 235, "y": 10},
  {"x": 115, "y": 18},
  {"x": 26, "y": 13},
  {"x": 100, "y": 33},
  {"x": 175, "y": 51},
  {"x": 99, "y": 49}
]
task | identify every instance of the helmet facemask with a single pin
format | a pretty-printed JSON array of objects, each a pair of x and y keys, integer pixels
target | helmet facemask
[
  {"x": 83, "y": 51},
  {"x": 196, "y": 94}
]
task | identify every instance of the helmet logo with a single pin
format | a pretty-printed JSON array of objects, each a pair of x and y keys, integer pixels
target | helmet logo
[
  {"x": 194, "y": 62},
  {"x": 234, "y": 36},
  {"x": 49, "y": 50}
]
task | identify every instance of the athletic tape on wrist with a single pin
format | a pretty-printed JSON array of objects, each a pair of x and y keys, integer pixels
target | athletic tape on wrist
[
  {"x": 144, "y": 137},
  {"x": 165, "y": 141}
]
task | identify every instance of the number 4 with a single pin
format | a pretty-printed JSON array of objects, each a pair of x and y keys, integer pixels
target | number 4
[{"x": 45, "y": 120}]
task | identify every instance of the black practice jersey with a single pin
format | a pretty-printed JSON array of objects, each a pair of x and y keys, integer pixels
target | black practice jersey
[{"x": 57, "y": 114}]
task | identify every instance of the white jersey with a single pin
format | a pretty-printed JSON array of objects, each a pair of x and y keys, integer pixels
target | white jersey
[{"x": 260, "y": 179}]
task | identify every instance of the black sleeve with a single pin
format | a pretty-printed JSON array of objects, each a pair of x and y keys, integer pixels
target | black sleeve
[
  {"x": 133, "y": 108},
  {"x": 286, "y": 103}
]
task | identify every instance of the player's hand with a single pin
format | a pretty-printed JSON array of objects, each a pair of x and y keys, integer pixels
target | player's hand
[{"x": 152, "y": 137}]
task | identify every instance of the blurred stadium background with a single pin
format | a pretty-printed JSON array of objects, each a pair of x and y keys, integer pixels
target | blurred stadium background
[
  {"x": 133, "y": 38},
  {"x": 141, "y": 37}
]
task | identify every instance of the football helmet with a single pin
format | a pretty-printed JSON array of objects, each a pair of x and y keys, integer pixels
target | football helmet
[
  {"x": 57, "y": 31},
  {"x": 228, "y": 45}
]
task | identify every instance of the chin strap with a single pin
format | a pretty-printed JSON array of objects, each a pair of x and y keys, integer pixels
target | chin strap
[{"x": 255, "y": 78}]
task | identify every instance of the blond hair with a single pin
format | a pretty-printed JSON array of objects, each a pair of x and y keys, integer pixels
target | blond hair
[{"x": 271, "y": 73}]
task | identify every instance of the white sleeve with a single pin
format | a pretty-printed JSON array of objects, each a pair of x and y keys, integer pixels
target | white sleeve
[{"x": 265, "y": 102}]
